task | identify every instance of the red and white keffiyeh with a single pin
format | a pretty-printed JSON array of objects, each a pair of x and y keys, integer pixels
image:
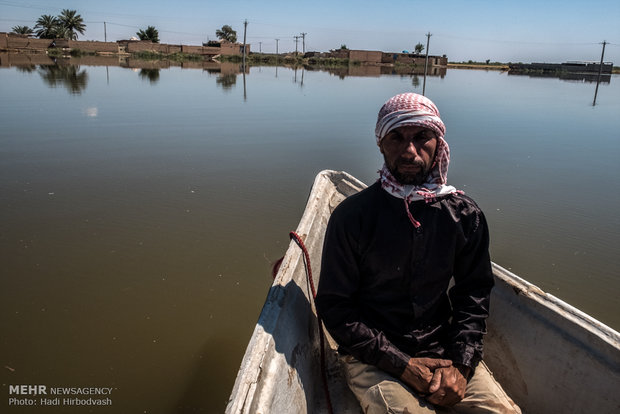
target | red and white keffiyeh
[{"x": 415, "y": 110}]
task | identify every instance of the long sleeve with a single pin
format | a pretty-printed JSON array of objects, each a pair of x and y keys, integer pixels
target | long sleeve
[
  {"x": 383, "y": 290},
  {"x": 337, "y": 301},
  {"x": 470, "y": 294}
]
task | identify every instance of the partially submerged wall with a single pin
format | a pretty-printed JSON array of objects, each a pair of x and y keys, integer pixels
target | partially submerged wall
[
  {"x": 93, "y": 46},
  {"x": 23, "y": 59},
  {"x": 366, "y": 56},
  {"x": 12, "y": 41}
]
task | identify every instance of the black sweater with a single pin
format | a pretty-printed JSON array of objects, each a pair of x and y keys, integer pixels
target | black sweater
[{"x": 384, "y": 287}]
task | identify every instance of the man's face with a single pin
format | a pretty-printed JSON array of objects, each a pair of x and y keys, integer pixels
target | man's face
[{"x": 409, "y": 152}]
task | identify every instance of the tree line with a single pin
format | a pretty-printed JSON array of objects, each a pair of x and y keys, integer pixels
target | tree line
[
  {"x": 64, "y": 26},
  {"x": 151, "y": 33},
  {"x": 69, "y": 23}
]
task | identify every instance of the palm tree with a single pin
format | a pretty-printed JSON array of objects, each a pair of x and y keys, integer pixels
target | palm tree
[
  {"x": 71, "y": 22},
  {"x": 22, "y": 30},
  {"x": 46, "y": 27},
  {"x": 227, "y": 33},
  {"x": 150, "y": 33}
]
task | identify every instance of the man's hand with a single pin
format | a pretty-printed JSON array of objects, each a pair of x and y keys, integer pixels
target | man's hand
[
  {"x": 419, "y": 372},
  {"x": 448, "y": 385}
]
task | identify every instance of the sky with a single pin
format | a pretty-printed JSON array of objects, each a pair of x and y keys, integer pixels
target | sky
[{"x": 505, "y": 31}]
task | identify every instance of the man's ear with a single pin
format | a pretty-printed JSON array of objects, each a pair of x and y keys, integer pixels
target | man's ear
[{"x": 381, "y": 147}]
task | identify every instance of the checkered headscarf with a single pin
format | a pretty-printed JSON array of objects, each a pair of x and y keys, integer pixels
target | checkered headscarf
[
  {"x": 408, "y": 109},
  {"x": 416, "y": 110}
]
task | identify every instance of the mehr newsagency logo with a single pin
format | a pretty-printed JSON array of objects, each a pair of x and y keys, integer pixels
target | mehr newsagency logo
[{"x": 43, "y": 395}]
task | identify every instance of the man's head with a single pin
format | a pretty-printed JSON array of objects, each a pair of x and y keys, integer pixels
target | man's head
[
  {"x": 409, "y": 152},
  {"x": 410, "y": 134}
]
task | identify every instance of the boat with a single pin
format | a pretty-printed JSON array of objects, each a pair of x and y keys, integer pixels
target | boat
[{"x": 549, "y": 356}]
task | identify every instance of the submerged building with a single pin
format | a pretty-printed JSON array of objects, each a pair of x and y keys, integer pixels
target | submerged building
[
  {"x": 570, "y": 67},
  {"x": 379, "y": 57},
  {"x": 24, "y": 43}
]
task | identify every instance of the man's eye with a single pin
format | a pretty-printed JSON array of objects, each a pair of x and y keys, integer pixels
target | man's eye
[{"x": 424, "y": 136}]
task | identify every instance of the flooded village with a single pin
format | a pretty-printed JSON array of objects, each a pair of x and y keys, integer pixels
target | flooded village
[
  {"x": 150, "y": 184},
  {"x": 226, "y": 57}
]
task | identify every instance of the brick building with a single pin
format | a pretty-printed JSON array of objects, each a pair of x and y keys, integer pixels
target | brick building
[{"x": 24, "y": 43}]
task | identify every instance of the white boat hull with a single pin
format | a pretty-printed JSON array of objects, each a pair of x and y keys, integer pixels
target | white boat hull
[{"x": 549, "y": 356}]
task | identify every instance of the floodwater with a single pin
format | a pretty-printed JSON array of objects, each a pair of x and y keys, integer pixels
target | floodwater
[{"x": 141, "y": 209}]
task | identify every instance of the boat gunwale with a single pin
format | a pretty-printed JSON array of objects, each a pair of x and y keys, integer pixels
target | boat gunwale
[
  {"x": 558, "y": 306},
  {"x": 546, "y": 307}
]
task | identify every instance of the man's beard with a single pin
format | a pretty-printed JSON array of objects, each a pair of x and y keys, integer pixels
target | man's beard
[{"x": 413, "y": 178}]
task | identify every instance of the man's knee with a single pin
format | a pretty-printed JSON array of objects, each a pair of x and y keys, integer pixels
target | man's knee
[
  {"x": 392, "y": 397},
  {"x": 485, "y": 394}
]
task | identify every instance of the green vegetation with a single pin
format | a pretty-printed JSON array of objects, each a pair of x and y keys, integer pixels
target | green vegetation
[
  {"x": 46, "y": 27},
  {"x": 80, "y": 53},
  {"x": 66, "y": 25},
  {"x": 227, "y": 33},
  {"x": 398, "y": 64},
  {"x": 615, "y": 69},
  {"x": 479, "y": 65},
  {"x": 55, "y": 53},
  {"x": 472, "y": 62},
  {"x": 175, "y": 57},
  {"x": 150, "y": 33},
  {"x": 69, "y": 22},
  {"x": 22, "y": 30},
  {"x": 344, "y": 47},
  {"x": 418, "y": 48}
]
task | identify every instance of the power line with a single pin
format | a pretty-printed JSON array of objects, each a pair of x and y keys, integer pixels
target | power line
[
  {"x": 138, "y": 27},
  {"x": 27, "y": 6},
  {"x": 473, "y": 39},
  {"x": 15, "y": 20}
]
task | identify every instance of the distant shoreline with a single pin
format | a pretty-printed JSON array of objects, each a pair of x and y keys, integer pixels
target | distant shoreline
[
  {"x": 491, "y": 66},
  {"x": 497, "y": 66}
]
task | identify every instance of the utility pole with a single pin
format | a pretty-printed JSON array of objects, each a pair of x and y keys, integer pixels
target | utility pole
[
  {"x": 600, "y": 68},
  {"x": 303, "y": 37},
  {"x": 105, "y": 33},
  {"x": 428, "y": 39},
  {"x": 296, "y": 41},
  {"x": 277, "y": 40},
  {"x": 260, "y": 47},
  {"x": 600, "y": 71},
  {"x": 245, "y": 27}
]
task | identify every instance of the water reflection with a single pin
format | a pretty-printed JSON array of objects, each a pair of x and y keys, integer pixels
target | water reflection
[
  {"x": 415, "y": 81},
  {"x": 152, "y": 75},
  {"x": 566, "y": 76},
  {"x": 66, "y": 72},
  {"x": 26, "y": 68},
  {"x": 113, "y": 233},
  {"x": 376, "y": 71},
  {"x": 226, "y": 81},
  {"x": 71, "y": 77}
]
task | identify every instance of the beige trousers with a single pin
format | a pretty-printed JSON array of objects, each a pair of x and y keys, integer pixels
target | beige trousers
[{"x": 380, "y": 393}]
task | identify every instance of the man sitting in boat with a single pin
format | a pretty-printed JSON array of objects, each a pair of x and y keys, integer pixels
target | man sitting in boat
[{"x": 410, "y": 343}]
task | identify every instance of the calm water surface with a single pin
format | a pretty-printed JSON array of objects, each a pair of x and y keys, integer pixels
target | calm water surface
[{"x": 141, "y": 210}]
